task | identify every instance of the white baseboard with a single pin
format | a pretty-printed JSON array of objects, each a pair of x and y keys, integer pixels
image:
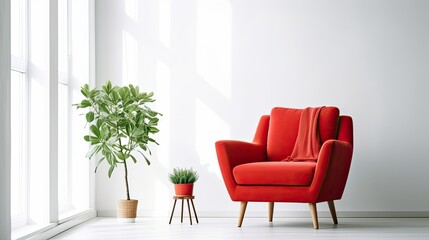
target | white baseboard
[{"x": 280, "y": 214}]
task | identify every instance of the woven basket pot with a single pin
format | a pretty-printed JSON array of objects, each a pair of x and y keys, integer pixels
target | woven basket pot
[{"x": 126, "y": 210}]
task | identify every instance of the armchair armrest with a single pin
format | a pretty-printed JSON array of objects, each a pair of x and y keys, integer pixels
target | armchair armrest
[
  {"x": 332, "y": 170},
  {"x": 231, "y": 153}
]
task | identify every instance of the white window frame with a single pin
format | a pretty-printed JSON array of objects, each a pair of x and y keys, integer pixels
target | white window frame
[
  {"x": 20, "y": 65},
  {"x": 63, "y": 79},
  {"x": 21, "y": 219}
]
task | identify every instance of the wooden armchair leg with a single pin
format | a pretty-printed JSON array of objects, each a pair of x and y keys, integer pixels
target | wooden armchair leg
[
  {"x": 313, "y": 210},
  {"x": 270, "y": 211},
  {"x": 333, "y": 212},
  {"x": 242, "y": 211}
]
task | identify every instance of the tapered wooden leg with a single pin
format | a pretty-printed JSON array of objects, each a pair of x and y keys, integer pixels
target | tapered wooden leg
[
  {"x": 195, "y": 212},
  {"x": 181, "y": 214},
  {"x": 270, "y": 211},
  {"x": 313, "y": 210},
  {"x": 189, "y": 211},
  {"x": 172, "y": 211},
  {"x": 333, "y": 212},
  {"x": 242, "y": 211}
]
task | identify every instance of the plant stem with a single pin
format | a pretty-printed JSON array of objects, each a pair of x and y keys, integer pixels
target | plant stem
[
  {"x": 126, "y": 173},
  {"x": 126, "y": 179}
]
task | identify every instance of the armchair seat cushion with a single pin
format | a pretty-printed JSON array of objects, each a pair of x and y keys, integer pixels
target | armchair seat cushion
[{"x": 275, "y": 173}]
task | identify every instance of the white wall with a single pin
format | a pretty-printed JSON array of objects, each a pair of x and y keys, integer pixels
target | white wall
[{"x": 217, "y": 65}]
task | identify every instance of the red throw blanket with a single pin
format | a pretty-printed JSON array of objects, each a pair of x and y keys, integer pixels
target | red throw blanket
[{"x": 307, "y": 145}]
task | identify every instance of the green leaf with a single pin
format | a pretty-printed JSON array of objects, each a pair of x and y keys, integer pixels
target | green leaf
[
  {"x": 99, "y": 122},
  {"x": 94, "y": 130},
  {"x": 106, "y": 150},
  {"x": 85, "y": 103},
  {"x": 154, "y": 121},
  {"x": 90, "y": 116},
  {"x": 137, "y": 132},
  {"x": 132, "y": 90},
  {"x": 153, "y": 130},
  {"x": 145, "y": 158},
  {"x": 107, "y": 88},
  {"x": 86, "y": 137},
  {"x": 105, "y": 132},
  {"x": 114, "y": 96},
  {"x": 153, "y": 140},
  {"x": 124, "y": 93},
  {"x": 121, "y": 155},
  {"x": 112, "y": 167},
  {"x": 93, "y": 93},
  {"x": 111, "y": 159},
  {"x": 133, "y": 158},
  {"x": 143, "y": 146},
  {"x": 93, "y": 150},
  {"x": 94, "y": 140},
  {"x": 98, "y": 164},
  {"x": 85, "y": 90},
  {"x": 104, "y": 108}
]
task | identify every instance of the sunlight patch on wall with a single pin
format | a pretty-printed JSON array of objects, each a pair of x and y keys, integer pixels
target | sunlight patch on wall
[
  {"x": 162, "y": 96},
  {"x": 164, "y": 22},
  {"x": 129, "y": 59},
  {"x": 213, "y": 44},
  {"x": 209, "y": 128},
  {"x": 131, "y": 9}
]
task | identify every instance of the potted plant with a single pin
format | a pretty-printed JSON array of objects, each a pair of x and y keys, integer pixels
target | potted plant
[
  {"x": 183, "y": 180},
  {"x": 121, "y": 125}
]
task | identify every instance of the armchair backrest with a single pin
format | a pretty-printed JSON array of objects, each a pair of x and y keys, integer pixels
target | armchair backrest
[{"x": 281, "y": 129}]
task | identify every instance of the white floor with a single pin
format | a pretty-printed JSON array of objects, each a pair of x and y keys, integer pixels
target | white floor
[{"x": 253, "y": 228}]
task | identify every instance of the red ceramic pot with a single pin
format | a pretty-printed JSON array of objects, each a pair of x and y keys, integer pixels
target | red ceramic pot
[{"x": 184, "y": 189}]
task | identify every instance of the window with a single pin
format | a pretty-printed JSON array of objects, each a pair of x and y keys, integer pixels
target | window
[
  {"x": 38, "y": 163},
  {"x": 19, "y": 149},
  {"x": 19, "y": 113},
  {"x": 73, "y": 71},
  {"x": 64, "y": 176}
]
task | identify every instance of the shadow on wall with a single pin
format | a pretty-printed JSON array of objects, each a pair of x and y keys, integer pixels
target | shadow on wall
[{"x": 187, "y": 63}]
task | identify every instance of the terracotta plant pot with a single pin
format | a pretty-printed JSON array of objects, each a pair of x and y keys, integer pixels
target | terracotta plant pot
[
  {"x": 126, "y": 210},
  {"x": 184, "y": 189}
]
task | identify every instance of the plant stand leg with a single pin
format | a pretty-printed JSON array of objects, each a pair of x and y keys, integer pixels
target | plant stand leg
[
  {"x": 189, "y": 210},
  {"x": 195, "y": 212},
  {"x": 181, "y": 215},
  {"x": 172, "y": 212}
]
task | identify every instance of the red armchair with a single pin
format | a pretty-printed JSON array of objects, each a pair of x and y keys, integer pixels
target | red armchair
[{"x": 258, "y": 172}]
